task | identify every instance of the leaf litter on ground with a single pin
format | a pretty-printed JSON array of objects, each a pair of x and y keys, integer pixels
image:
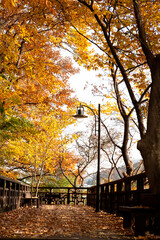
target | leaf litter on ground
[{"x": 62, "y": 221}]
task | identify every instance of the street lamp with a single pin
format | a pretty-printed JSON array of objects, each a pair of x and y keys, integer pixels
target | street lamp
[{"x": 80, "y": 114}]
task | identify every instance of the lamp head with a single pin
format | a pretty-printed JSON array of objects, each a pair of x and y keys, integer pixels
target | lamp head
[{"x": 80, "y": 112}]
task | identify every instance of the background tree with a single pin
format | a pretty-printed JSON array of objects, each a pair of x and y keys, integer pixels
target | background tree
[
  {"x": 86, "y": 151},
  {"x": 120, "y": 115},
  {"x": 35, "y": 156}
]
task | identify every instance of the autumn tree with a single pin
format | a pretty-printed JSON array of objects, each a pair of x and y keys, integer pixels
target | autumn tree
[
  {"x": 37, "y": 155},
  {"x": 33, "y": 85},
  {"x": 136, "y": 25},
  {"x": 127, "y": 33},
  {"x": 32, "y": 70},
  {"x": 87, "y": 151},
  {"x": 76, "y": 37},
  {"x": 67, "y": 165},
  {"x": 85, "y": 156}
]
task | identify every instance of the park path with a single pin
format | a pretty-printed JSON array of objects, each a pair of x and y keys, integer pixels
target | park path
[{"x": 62, "y": 222}]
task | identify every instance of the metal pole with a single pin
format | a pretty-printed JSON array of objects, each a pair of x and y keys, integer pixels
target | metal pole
[{"x": 98, "y": 162}]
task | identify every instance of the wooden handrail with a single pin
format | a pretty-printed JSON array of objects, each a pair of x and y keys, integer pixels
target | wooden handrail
[
  {"x": 11, "y": 193},
  {"x": 126, "y": 191}
]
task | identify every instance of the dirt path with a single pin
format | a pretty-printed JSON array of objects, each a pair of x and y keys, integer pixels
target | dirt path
[{"x": 61, "y": 221}]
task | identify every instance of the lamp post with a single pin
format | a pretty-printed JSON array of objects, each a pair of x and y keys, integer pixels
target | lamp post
[{"x": 80, "y": 114}]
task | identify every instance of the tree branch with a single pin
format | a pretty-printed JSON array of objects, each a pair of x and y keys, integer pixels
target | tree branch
[{"x": 142, "y": 34}]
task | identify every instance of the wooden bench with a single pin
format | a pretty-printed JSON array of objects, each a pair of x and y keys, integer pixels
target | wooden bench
[
  {"x": 139, "y": 214},
  {"x": 78, "y": 198},
  {"x": 55, "y": 198},
  {"x": 29, "y": 200}
]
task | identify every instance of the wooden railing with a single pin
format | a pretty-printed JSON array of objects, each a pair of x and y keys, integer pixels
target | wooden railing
[
  {"x": 130, "y": 191},
  {"x": 11, "y": 193},
  {"x": 63, "y": 195}
]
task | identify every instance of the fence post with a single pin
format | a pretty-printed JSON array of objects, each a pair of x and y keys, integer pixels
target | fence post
[
  {"x": 101, "y": 197},
  {"x": 119, "y": 196},
  {"x": 68, "y": 197},
  {"x": 88, "y": 198},
  {"x": 4, "y": 195},
  {"x": 140, "y": 185},
  {"x": 106, "y": 194},
  {"x": 112, "y": 198},
  {"x": 19, "y": 197},
  {"x": 127, "y": 191},
  {"x": 13, "y": 196},
  {"x": 9, "y": 196}
]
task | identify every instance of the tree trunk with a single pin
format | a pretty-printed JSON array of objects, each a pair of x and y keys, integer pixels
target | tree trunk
[
  {"x": 149, "y": 145},
  {"x": 124, "y": 148}
]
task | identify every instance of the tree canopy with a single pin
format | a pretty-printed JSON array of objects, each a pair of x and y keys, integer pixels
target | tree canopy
[
  {"x": 113, "y": 35},
  {"x": 35, "y": 97},
  {"x": 127, "y": 33}
]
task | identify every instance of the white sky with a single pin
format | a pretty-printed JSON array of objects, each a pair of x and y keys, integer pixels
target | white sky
[
  {"x": 82, "y": 83},
  {"x": 84, "y": 93},
  {"x": 82, "y": 89}
]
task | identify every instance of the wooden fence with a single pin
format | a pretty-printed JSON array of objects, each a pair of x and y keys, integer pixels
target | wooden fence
[
  {"x": 130, "y": 191},
  {"x": 11, "y": 193},
  {"x": 63, "y": 195}
]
